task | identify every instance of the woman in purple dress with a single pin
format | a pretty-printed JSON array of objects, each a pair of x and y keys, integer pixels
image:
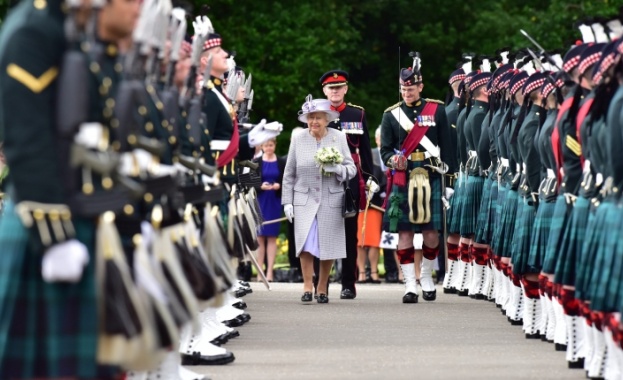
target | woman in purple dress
[{"x": 272, "y": 168}]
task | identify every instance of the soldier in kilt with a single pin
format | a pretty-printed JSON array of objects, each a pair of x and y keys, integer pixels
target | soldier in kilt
[
  {"x": 574, "y": 231},
  {"x": 552, "y": 95},
  {"x": 452, "y": 244},
  {"x": 478, "y": 158},
  {"x": 48, "y": 308},
  {"x": 596, "y": 157},
  {"x": 415, "y": 137},
  {"x": 512, "y": 306},
  {"x": 531, "y": 173}
]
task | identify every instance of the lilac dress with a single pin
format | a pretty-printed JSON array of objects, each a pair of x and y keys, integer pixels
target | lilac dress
[{"x": 270, "y": 204}]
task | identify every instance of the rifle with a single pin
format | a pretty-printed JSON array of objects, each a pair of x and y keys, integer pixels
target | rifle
[{"x": 245, "y": 106}]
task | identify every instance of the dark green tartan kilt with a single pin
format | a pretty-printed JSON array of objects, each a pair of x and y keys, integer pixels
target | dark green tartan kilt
[
  {"x": 490, "y": 222},
  {"x": 559, "y": 222},
  {"x": 523, "y": 237},
  {"x": 606, "y": 285},
  {"x": 571, "y": 245},
  {"x": 507, "y": 224},
  {"x": 436, "y": 208},
  {"x": 456, "y": 204},
  {"x": 47, "y": 330},
  {"x": 588, "y": 255},
  {"x": 540, "y": 235},
  {"x": 471, "y": 205},
  {"x": 483, "y": 214},
  {"x": 499, "y": 205}
]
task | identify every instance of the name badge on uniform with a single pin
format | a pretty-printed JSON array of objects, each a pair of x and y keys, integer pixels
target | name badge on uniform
[
  {"x": 426, "y": 121},
  {"x": 353, "y": 127}
]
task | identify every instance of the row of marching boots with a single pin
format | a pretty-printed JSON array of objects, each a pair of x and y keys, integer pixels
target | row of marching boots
[
  {"x": 203, "y": 345},
  {"x": 591, "y": 341}
]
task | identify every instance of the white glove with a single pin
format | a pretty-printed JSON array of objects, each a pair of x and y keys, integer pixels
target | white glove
[
  {"x": 263, "y": 132},
  {"x": 333, "y": 168},
  {"x": 64, "y": 262},
  {"x": 289, "y": 211},
  {"x": 449, "y": 193}
]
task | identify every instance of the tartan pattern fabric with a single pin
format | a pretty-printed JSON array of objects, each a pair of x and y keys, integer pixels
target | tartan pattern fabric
[
  {"x": 572, "y": 243},
  {"x": 490, "y": 222},
  {"x": 483, "y": 213},
  {"x": 588, "y": 255},
  {"x": 436, "y": 208},
  {"x": 606, "y": 291},
  {"x": 471, "y": 205},
  {"x": 542, "y": 226},
  {"x": 501, "y": 199},
  {"x": 559, "y": 221},
  {"x": 454, "y": 219},
  {"x": 46, "y": 330},
  {"x": 507, "y": 224},
  {"x": 523, "y": 237}
]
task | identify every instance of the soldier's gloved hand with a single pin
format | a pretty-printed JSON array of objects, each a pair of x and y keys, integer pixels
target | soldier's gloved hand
[
  {"x": 64, "y": 262},
  {"x": 289, "y": 211},
  {"x": 449, "y": 193},
  {"x": 263, "y": 132},
  {"x": 398, "y": 162}
]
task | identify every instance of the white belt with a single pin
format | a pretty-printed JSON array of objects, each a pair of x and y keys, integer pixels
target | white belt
[
  {"x": 504, "y": 162},
  {"x": 551, "y": 173},
  {"x": 219, "y": 145},
  {"x": 517, "y": 168},
  {"x": 524, "y": 169},
  {"x": 472, "y": 153}
]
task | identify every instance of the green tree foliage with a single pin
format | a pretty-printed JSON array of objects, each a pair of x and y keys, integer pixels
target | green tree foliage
[{"x": 288, "y": 45}]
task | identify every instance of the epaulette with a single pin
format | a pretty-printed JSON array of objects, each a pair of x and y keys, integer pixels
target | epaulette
[
  {"x": 355, "y": 106},
  {"x": 392, "y": 107},
  {"x": 434, "y": 101}
]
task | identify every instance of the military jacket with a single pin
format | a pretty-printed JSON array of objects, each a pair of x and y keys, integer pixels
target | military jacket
[
  {"x": 353, "y": 123},
  {"x": 393, "y": 135},
  {"x": 527, "y": 148},
  {"x": 571, "y": 151},
  {"x": 473, "y": 129},
  {"x": 461, "y": 142},
  {"x": 452, "y": 112}
]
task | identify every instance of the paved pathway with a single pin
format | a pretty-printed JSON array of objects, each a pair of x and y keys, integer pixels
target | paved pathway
[{"x": 377, "y": 337}]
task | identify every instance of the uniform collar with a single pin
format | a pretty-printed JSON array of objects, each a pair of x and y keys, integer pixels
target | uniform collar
[
  {"x": 218, "y": 82},
  {"x": 339, "y": 108},
  {"x": 417, "y": 103}
]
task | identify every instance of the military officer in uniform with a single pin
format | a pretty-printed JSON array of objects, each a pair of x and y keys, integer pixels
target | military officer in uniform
[
  {"x": 352, "y": 122},
  {"x": 415, "y": 139}
]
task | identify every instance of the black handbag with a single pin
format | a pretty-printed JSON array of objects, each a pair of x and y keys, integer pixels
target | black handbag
[{"x": 349, "y": 209}]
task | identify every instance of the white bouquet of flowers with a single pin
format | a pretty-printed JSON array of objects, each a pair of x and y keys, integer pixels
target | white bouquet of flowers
[{"x": 328, "y": 156}]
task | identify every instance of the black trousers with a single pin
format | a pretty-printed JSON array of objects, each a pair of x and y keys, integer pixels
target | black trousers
[
  {"x": 294, "y": 261},
  {"x": 349, "y": 264},
  {"x": 391, "y": 270}
]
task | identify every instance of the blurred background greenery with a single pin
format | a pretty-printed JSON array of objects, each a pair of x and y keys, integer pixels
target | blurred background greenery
[{"x": 288, "y": 45}]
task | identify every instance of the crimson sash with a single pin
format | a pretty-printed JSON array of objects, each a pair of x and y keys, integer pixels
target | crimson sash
[
  {"x": 556, "y": 143},
  {"x": 399, "y": 178},
  {"x": 582, "y": 112},
  {"x": 232, "y": 149}
]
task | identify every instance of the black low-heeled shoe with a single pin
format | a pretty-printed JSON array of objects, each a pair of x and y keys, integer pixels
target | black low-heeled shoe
[
  {"x": 307, "y": 297},
  {"x": 323, "y": 298}
]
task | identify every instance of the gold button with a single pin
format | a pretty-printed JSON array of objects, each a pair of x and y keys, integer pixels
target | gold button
[
  {"x": 165, "y": 123},
  {"x": 109, "y": 217},
  {"x": 95, "y": 67},
  {"x": 111, "y": 50},
  {"x": 85, "y": 46},
  {"x": 192, "y": 140},
  {"x": 128, "y": 209},
  {"x": 118, "y": 67},
  {"x": 159, "y": 105},
  {"x": 110, "y": 103},
  {"x": 148, "y": 197},
  {"x": 107, "y": 112},
  {"x": 38, "y": 214},
  {"x": 54, "y": 215},
  {"x": 107, "y": 82},
  {"x": 40, "y": 4},
  {"x": 188, "y": 127},
  {"x": 136, "y": 240},
  {"x": 107, "y": 183},
  {"x": 172, "y": 140},
  {"x": 149, "y": 126},
  {"x": 150, "y": 89},
  {"x": 87, "y": 188},
  {"x": 132, "y": 139},
  {"x": 207, "y": 132},
  {"x": 114, "y": 123},
  {"x": 142, "y": 110},
  {"x": 202, "y": 149}
]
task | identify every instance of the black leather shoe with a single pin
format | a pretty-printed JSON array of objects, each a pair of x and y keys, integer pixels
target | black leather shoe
[
  {"x": 347, "y": 294},
  {"x": 219, "y": 340},
  {"x": 533, "y": 336},
  {"x": 409, "y": 298},
  {"x": 244, "y": 317},
  {"x": 391, "y": 278},
  {"x": 429, "y": 296},
  {"x": 232, "y": 334},
  {"x": 307, "y": 297},
  {"x": 197, "y": 359},
  {"x": 240, "y": 305},
  {"x": 233, "y": 323},
  {"x": 449, "y": 290},
  {"x": 516, "y": 323},
  {"x": 463, "y": 293},
  {"x": 479, "y": 296},
  {"x": 578, "y": 364},
  {"x": 239, "y": 293},
  {"x": 322, "y": 298},
  {"x": 560, "y": 347}
]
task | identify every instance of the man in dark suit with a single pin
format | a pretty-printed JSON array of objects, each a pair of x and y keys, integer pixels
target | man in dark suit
[{"x": 352, "y": 122}]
